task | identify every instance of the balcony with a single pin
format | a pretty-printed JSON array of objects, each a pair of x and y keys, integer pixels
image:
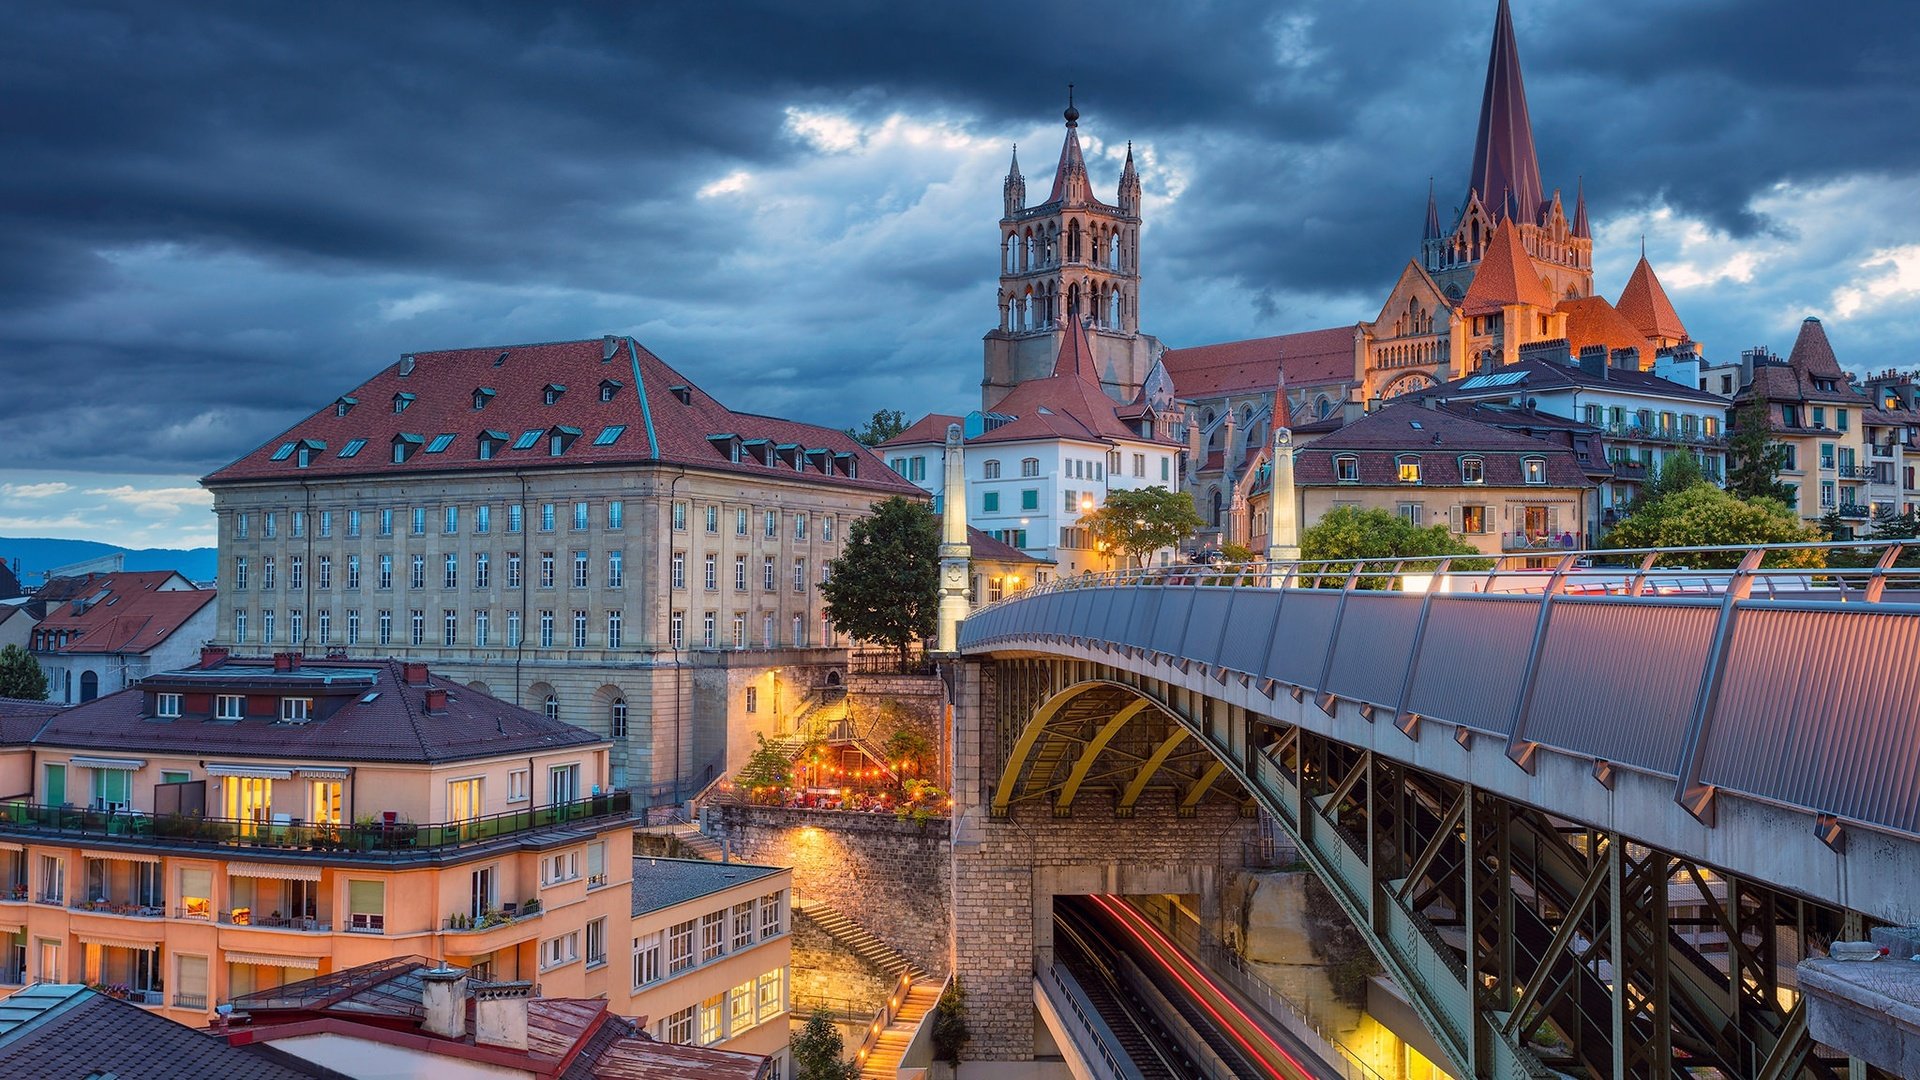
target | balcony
[
  {"x": 1858, "y": 511},
  {"x": 1655, "y": 433},
  {"x": 1860, "y": 472},
  {"x": 365, "y": 842},
  {"x": 131, "y": 910},
  {"x": 273, "y": 921},
  {"x": 1629, "y": 470},
  {"x": 1882, "y": 450},
  {"x": 1520, "y": 541},
  {"x": 505, "y": 915}
]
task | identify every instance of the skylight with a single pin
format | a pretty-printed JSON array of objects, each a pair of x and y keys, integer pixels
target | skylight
[
  {"x": 285, "y": 452},
  {"x": 1498, "y": 378},
  {"x": 353, "y": 447},
  {"x": 609, "y": 436},
  {"x": 526, "y": 441},
  {"x": 439, "y": 443}
]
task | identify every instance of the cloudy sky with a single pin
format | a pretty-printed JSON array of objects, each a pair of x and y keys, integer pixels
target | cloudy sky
[{"x": 214, "y": 218}]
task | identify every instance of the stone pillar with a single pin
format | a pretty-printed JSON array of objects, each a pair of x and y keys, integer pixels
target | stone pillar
[
  {"x": 1283, "y": 513},
  {"x": 955, "y": 553}
]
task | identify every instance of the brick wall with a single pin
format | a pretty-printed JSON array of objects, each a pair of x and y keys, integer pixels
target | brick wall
[{"x": 888, "y": 875}]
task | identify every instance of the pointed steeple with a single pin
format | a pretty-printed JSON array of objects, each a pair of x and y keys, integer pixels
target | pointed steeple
[
  {"x": 1076, "y": 353},
  {"x": 1506, "y": 276},
  {"x": 1070, "y": 178},
  {"x": 1645, "y": 305},
  {"x": 1433, "y": 214},
  {"x": 1015, "y": 188},
  {"x": 1812, "y": 353},
  {"x": 1506, "y": 169},
  {"x": 1129, "y": 198},
  {"x": 1580, "y": 228}
]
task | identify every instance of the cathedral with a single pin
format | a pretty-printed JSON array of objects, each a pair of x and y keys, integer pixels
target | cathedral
[{"x": 1514, "y": 268}]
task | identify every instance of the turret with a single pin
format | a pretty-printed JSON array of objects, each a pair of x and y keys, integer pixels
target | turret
[
  {"x": 1014, "y": 191},
  {"x": 1129, "y": 198}
]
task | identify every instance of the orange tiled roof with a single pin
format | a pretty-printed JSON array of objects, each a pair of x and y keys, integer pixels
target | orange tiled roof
[
  {"x": 1591, "y": 320},
  {"x": 1505, "y": 276},
  {"x": 1644, "y": 304},
  {"x": 1311, "y": 358}
]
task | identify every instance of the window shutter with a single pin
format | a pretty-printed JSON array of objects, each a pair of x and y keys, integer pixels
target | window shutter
[
  {"x": 1553, "y": 520},
  {"x": 1453, "y": 518},
  {"x": 366, "y": 897}
]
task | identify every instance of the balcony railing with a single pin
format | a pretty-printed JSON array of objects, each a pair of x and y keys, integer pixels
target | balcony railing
[
  {"x": 1519, "y": 541},
  {"x": 1882, "y": 450},
  {"x": 1858, "y": 472},
  {"x": 1855, "y": 510},
  {"x": 13, "y": 975},
  {"x": 274, "y": 921},
  {"x": 190, "y": 1001},
  {"x": 1656, "y": 433},
  {"x": 115, "y": 907},
  {"x": 377, "y": 840},
  {"x": 505, "y": 915}
]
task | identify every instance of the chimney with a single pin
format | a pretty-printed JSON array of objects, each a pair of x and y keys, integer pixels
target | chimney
[
  {"x": 211, "y": 657},
  {"x": 443, "y": 993},
  {"x": 406, "y": 364},
  {"x": 609, "y": 348},
  {"x": 436, "y": 699},
  {"x": 1628, "y": 358},
  {"x": 1593, "y": 360},
  {"x": 500, "y": 1014},
  {"x": 414, "y": 673},
  {"x": 286, "y": 661}
]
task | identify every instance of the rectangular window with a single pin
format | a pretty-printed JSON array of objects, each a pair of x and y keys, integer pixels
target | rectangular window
[
  {"x": 353, "y": 628},
  {"x": 772, "y": 525},
  {"x": 449, "y": 626},
  {"x": 581, "y": 512},
  {"x": 386, "y": 627},
  {"x": 323, "y": 802},
  {"x": 616, "y": 514},
  {"x": 386, "y": 521},
  {"x": 772, "y": 915},
  {"x": 483, "y": 518},
  {"x": 742, "y": 926},
  {"x": 519, "y": 784},
  {"x": 710, "y": 576},
  {"x": 546, "y": 517},
  {"x": 241, "y": 522},
  {"x": 546, "y": 569},
  {"x": 579, "y": 629},
  {"x": 514, "y": 519},
  {"x": 451, "y": 523},
  {"x": 1535, "y": 470},
  {"x": 296, "y": 572},
  {"x": 417, "y": 623},
  {"x": 739, "y": 573},
  {"x": 558, "y": 868},
  {"x": 295, "y": 630},
  {"x": 766, "y": 573},
  {"x": 367, "y": 906},
  {"x": 229, "y": 706},
  {"x": 451, "y": 575},
  {"x": 708, "y": 630},
  {"x": 546, "y": 629},
  {"x": 799, "y": 575},
  {"x": 482, "y": 571},
  {"x": 513, "y": 570},
  {"x": 196, "y": 894},
  {"x": 1140, "y": 466},
  {"x": 770, "y": 1003},
  {"x": 166, "y": 706},
  {"x": 579, "y": 569},
  {"x": 564, "y": 949},
  {"x": 111, "y": 788},
  {"x": 323, "y": 572},
  {"x": 266, "y": 572},
  {"x": 616, "y": 571},
  {"x": 296, "y": 710},
  {"x": 739, "y": 629},
  {"x": 647, "y": 958},
  {"x": 800, "y": 527},
  {"x": 711, "y": 514},
  {"x": 463, "y": 799},
  {"x": 271, "y": 520},
  {"x": 418, "y": 580},
  {"x": 990, "y": 502},
  {"x": 1473, "y": 520},
  {"x": 713, "y": 936},
  {"x": 826, "y": 528},
  {"x": 613, "y": 629},
  {"x": 1071, "y": 502},
  {"x": 1166, "y": 467},
  {"x": 513, "y": 629},
  {"x": 712, "y": 1013},
  {"x": 240, "y": 572},
  {"x": 740, "y": 1008},
  {"x": 680, "y": 947},
  {"x": 419, "y": 521},
  {"x": 597, "y": 942},
  {"x": 677, "y": 630},
  {"x": 386, "y": 571}
]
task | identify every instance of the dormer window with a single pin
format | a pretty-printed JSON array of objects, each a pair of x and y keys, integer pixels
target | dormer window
[
  {"x": 1535, "y": 469},
  {"x": 1346, "y": 469},
  {"x": 304, "y": 453},
  {"x": 1407, "y": 467},
  {"x": 482, "y": 396},
  {"x": 559, "y": 439},
  {"x": 405, "y": 446},
  {"x": 1473, "y": 470},
  {"x": 609, "y": 387},
  {"x": 401, "y": 401},
  {"x": 683, "y": 392},
  {"x": 166, "y": 706},
  {"x": 296, "y": 710},
  {"x": 343, "y": 406},
  {"x": 491, "y": 443},
  {"x": 551, "y": 395}
]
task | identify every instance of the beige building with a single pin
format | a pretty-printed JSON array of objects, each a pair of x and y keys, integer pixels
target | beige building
[
  {"x": 572, "y": 526},
  {"x": 1814, "y": 409}
]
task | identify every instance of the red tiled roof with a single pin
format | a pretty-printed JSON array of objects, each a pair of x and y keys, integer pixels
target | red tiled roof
[
  {"x": 1068, "y": 404},
  {"x": 133, "y": 613},
  {"x": 987, "y": 549},
  {"x": 1813, "y": 353},
  {"x": 645, "y": 400},
  {"x": 394, "y": 726},
  {"x": 1505, "y": 276},
  {"x": 21, "y": 720},
  {"x": 1311, "y": 358},
  {"x": 1644, "y": 304},
  {"x": 1439, "y": 437},
  {"x": 1591, "y": 320},
  {"x": 931, "y": 428}
]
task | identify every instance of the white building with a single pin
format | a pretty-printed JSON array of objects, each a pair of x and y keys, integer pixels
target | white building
[{"x": 1044, "y": 458}]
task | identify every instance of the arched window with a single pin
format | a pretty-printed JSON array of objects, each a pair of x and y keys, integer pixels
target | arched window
[
  {"x": 617, "y": 719},
  {"x": 1214, "y": 498},
  {"x": 551, "y": 706},
  {"x": 1322, "y": 407},
  {"x": 89, "y": 686},
  {"x": 1073, "y": 242}
]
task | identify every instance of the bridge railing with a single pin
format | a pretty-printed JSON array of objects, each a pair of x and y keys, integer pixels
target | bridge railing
[{"x": 1859, "y": 570}]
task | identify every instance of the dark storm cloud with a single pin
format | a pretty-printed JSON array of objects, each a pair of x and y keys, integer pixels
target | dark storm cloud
[{"x": 214, "y": 217}]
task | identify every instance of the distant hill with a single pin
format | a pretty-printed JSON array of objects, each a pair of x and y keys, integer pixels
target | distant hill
[{"x": 36, "y": 556}]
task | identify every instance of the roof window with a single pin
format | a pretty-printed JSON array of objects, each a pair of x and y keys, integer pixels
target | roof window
[
  {"x": 353, "y": 447},
  {"x": 552, "y": 393},
  {"x": 481, "y": 396},
  {"x": 440, "y": 443},
  {"x": 609, "y": 387},
  {"x": 285, "y": 452},
  {"x": 560, "y": 439},
  {"x": 527, "y": 439},
  {"x": 405, "y": 445},
  {"x": 610, "y": 435},
  {"x": 401, "y": 401},
  {"x": 344, "y": 405}
]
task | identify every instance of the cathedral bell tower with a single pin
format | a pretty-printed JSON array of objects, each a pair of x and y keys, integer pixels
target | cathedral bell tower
[{"x": 1071, "y": 256}]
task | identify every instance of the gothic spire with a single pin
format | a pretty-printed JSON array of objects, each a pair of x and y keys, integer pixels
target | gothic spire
[
  {"x": 1070, "y": 178},
  {"x": 1580, "y": 228},
  {"x": 1506, "y": 169},
  {"x": 1129, "y": 199},
  {"x": 1015, "y": 188},
  {"x": 1433, "y": 214}
]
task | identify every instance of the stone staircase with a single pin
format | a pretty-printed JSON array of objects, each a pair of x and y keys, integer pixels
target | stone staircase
[
  {"x": 883, "y": 1063},
  {"x": 856, "y": 939},
  {"x": 697, "y": 844}
]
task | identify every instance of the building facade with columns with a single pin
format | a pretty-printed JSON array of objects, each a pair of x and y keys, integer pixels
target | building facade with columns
[{"x": 573, "y": 526}]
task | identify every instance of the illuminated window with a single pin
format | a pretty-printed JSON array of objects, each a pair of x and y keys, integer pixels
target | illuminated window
[{"x": 1407, "y": 466}]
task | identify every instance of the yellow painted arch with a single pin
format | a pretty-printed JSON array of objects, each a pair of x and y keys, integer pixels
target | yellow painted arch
[
  {"x": 1099, "y": 742},
  {"x": 1030, "y": 736},
  {"x": 1152, "y": 765}
]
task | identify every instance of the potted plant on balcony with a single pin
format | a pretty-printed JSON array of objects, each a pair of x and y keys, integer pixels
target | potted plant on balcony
[
  {"x": 20, "y": 891},
  {"x": 530, "y": 907}
]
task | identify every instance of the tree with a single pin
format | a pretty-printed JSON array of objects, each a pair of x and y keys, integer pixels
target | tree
[
  {"x": 1137, "y": 523},
  {"x": 20, "y": 675},
  {"x": 1705, "y": 516},
  {"x": 885, "y": 586},
  {"x": 1348, "y": 532},
  {"x": 1678, "y": 473},
  {"x": 1754, "y": 458},
  {"x": 817, "y": 1052},
  {"x": 766, "y": 767},
  {"x": 910, "y": 750},
  {"x": 885, "y": 424},
  {"x": 950, "y": 1034}
]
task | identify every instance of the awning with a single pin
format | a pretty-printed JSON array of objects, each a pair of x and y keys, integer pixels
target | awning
[
  {"x": 250, "y": 771},
  {"x": 8, "y": 845},
  {"x": 123, "y": 856},
  {"x": 127, "y": 763},
  {"x": 303, "y": 963},
  {"x": 277, "y": 873},
  {"x": 324, "y": 774},
  {"x": 120, "y": 943}
]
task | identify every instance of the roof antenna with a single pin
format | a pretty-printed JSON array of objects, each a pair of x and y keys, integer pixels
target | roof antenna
[{"x": 1643, "y": 245}]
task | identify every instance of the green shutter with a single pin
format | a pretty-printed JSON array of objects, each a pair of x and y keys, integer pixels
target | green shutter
[
  {"x": 366, "y": 897},
  {"x": 56, "y": 785}
]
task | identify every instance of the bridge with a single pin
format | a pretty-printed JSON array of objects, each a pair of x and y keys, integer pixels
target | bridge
[{"x": 1588, "y": 818}]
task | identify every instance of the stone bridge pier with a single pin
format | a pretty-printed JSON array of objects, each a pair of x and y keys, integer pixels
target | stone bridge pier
[{"x": 1008, "y": 863}]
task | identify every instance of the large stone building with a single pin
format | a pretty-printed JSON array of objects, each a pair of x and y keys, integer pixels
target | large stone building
[{"x": 573, "y": 526}]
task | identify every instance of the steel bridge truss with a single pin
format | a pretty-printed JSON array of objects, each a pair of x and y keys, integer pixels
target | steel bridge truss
[{"x": 1527, "y": 943}]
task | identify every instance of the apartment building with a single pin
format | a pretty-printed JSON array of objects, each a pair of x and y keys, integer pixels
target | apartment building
[
  {"x": 1813, "y": 409},
  {"x": 224, "y": 829},
  {"x": 573, "y": 526},
  {"x": 102, "y": 632},
  {"x": 711, "y": 954}
]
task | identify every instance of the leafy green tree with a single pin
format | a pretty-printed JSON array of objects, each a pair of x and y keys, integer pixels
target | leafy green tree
[
  {"x": 885, "y": 586},
  {"x": 1705, "y": 516},
  {"x": 818, "y": 1050},
  {"x": 20, "y": 675},
  {"x": 1134, "y": 524},
  {"x": 1348, "y": 532},
  {"x": 909, "y": 750},
  {"x": 766, "y": 767},
  {"x": 1236, "y": 553},
  {"x": 884, "y": 425},
  {"x": 1678, "y": 473},
  {"x": 950, "y": 1034},
  {"x": 1755, "y": 458}
]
